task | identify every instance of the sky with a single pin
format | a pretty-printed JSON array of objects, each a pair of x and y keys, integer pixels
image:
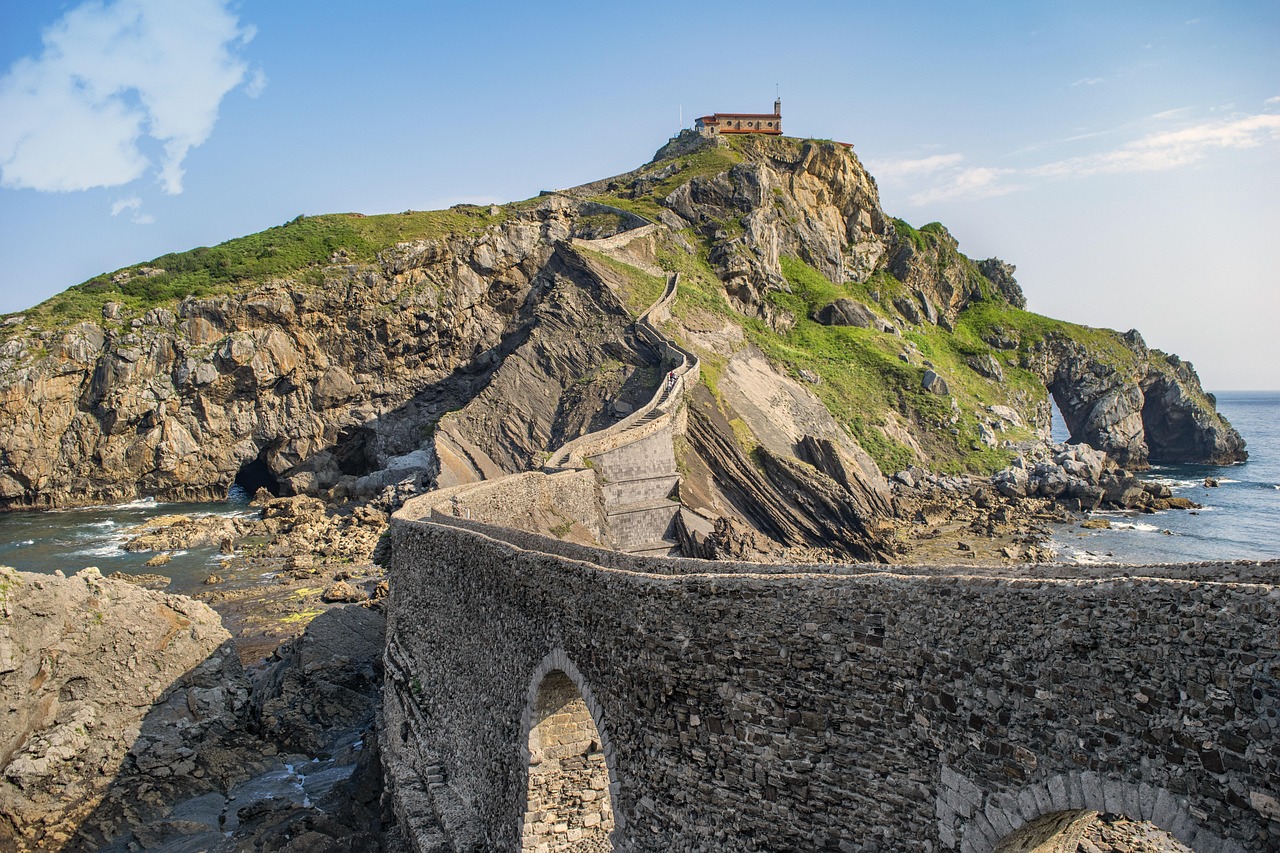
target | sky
[{"x": 1124, "y": 156}]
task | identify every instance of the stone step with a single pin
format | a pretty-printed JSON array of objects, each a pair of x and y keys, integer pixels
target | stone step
[
  {"x": 636, "y": 524},
  {"x": 659, "y": 548},
  {"x": 638, "y": 490}
]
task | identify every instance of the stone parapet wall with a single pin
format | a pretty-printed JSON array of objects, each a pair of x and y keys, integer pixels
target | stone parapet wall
[
  {"x": 860, "y": 709},
  {"x": 528, "y": 501}
]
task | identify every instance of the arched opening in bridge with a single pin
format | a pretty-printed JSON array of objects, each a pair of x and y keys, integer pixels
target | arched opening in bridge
[
  {"x": 253, "y": 475},
  {"x": 1081, "y": 830},
  {"x": 568, "y": 805}
]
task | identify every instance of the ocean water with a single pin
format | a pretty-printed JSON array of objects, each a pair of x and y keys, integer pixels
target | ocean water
[
  {"x": 72, "y": 539},
  {"x": 1240, "y": 519}
]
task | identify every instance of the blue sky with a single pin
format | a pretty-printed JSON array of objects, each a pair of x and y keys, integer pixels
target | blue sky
[{"x": 1126, "y": 157}]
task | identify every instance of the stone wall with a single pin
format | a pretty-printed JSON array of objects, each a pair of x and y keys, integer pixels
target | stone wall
[
  {"x": 531, "y": 501},
  {"x": 852, "y": 710}
]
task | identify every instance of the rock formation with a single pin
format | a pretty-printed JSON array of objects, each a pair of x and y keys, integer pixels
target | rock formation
[
  {"x": 83, "y": 660},
  {"x": 483, "y": 340},
  {"x": 128, "y": 720}
]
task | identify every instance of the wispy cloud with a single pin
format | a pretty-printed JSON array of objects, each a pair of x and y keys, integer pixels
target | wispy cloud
[
  {"x": 1155, "y": 151},
  {"x": 976, "y": 182},
  {"x": 1170, "y": 149},
  {"x": 123, "y": 204},
  {"x": 1171, "y": 113},
  {"x": 1274, "y": 101},
  {"x": 1089, "y": 81},
  {"x": 108, "y": 76},
  {"x": 133, "y": 204},
  {"x": 920, "y": 166}
]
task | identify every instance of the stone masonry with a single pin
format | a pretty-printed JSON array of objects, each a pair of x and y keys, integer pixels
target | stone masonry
[
  {"x": 746, "y": 707},
  {"x": 568, "y": 806}
]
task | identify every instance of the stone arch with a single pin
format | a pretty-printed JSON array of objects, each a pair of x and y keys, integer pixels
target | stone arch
[
  {"x": 569, "y": 763},
  {"x": 989, "y": 821}
]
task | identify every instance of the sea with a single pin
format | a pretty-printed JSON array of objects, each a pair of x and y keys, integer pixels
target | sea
[
  {"x": 1239, "y": 519},
  {"x": 69, "y": 540}
]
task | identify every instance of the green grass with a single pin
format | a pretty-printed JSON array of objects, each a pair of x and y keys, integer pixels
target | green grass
[
  {"x": 700, "y": 164},
  {"x": 299, "y": 248},
  {"x": 863, "y": 377},
  {"x": 640, "y": 289},
  {"x": 983, "y": 319}
]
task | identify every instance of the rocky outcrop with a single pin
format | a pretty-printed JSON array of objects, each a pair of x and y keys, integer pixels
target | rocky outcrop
[
  {"x": 473, "y": 354},
  {"x": 850, "y": 312},
  {"x": 793, "y": 503},
  {"x": 315, "y": 384},
  {"x": 129, "y": 724},
  {"x": 929, "y": 263},
  {"x": 811, "y": 200},
  {"x": 1137, "y": 405},
  {"x": 100, "y": 676}
]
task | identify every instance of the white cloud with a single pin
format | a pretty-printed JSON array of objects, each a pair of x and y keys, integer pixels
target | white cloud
[
  {"x": 1271, "y": 102},
  {"x": 976, "y": 182},
  {"x": 123, "y": 204},
  {"x": 1088, "y": 81},
  {"x": 257, "y": 82},
  {"x": 110, "y": 74},
  {"x": 1171, "y": 113},
  {"x": 134, "y": 204},
  {"x": 1162, "y": 150},
  {"x": 921, "y": 166},
  {"x": 1170, "y": 149}
]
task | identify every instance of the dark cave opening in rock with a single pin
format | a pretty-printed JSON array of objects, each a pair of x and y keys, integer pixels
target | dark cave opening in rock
[
  {"x": 355, "y": 451},
  {"x": 254, "y": 475}
]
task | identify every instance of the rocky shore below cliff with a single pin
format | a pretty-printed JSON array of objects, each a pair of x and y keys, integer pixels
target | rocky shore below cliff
[{"x": 137, "y": 721}]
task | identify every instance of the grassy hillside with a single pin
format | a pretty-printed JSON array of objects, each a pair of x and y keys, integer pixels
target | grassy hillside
[{"x": 299, "y": 249}]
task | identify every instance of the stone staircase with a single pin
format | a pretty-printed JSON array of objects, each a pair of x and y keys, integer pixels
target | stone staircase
[{"x": 634, "y": 460}]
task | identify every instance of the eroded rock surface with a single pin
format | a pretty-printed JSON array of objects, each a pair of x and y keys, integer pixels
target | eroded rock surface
[{"x": 83, "y": 663}]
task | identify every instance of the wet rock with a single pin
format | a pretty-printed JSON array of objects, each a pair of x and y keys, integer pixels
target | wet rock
[
  {"x": 326, "y": 680},
  {"x": 142, "y": 579},
  {"x": 342, "y": 592}
]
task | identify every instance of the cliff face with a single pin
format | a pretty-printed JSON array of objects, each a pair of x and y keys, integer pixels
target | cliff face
[
  {"x": 321, "y": 384},
  {"x": 399, "y": 359}
]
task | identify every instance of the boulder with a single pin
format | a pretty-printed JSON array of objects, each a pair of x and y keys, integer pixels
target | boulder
[
  {"x": 100, "y": 673},
  {"x": 934, "y": 384},
  {"x": 341, "y": 593},
  {"x": 849, "y": 312}
]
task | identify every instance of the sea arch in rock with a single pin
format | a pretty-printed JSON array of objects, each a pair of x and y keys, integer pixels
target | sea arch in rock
[{"x": 571, "y": 782}]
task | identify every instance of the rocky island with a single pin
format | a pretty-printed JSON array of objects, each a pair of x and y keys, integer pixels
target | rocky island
[{"x": 731, "y": 353}]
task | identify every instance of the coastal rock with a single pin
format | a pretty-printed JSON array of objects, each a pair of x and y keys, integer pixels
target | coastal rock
[
  {"x": 1147, "y": 408},
  {"x": 341, "y": 592},
  {"x": 326, "y": 681},
  {"x": 85, "y": 659}
]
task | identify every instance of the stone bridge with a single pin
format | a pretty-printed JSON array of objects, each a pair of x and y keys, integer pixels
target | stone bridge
[{"x": 549, "y": 696}]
